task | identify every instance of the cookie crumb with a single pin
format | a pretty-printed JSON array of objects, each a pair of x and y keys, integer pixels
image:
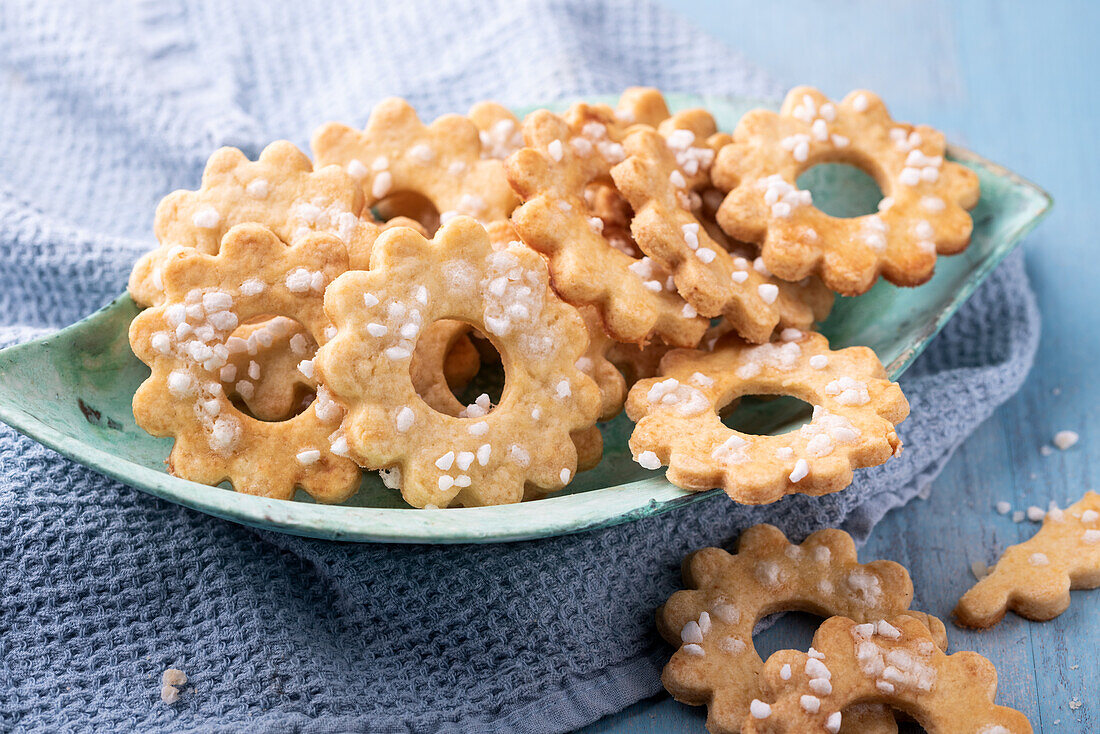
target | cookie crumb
[
  {"x": 1075, "y": 703},
  {"x": 170, "y": 681},
  {"x": 1065, "y": 439},
  {"x": 173, "y": 677}
]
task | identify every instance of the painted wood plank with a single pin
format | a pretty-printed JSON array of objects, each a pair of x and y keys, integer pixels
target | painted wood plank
[{"x": 1018, "y": 83}]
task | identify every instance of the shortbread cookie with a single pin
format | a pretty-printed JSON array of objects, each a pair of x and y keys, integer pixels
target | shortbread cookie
[
  {"x": 655, "y": 179},
  {"x": 1034, "y": 578},
  {"x": 187, "y": 342},
  {"x": 443, "y": 162},
  {"x": 280, "y": 190},
  {"x": 595, "y": 364},
  {"x": 856, "y": 411},
  {"x": 801, "y": 304},
  {"x": 637, "y": 299},
  {"x": 712, "y": 622},
  {"x": 893, "y": 662},
  {"x": 923, "y": 212},
  {"x": 505, "y": 294}
]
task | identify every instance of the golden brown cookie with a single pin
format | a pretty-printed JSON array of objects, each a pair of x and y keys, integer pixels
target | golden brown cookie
[
  {"x": 642, "y": 105},
  {"x": 595, "y": 364},
  {"x": 637, "y": 299},
  {"x": 712, "y": 622},
  {"x": 189, "y": 340},
  {"x": 1033, "y": 578},
  {"x": 856, "y": 411},
  {"x": 280, "y": 190},
  {"x": 503, "y": 293},
  {"x": 893, "y": 662},
  {"x": 442, "y": 162},
  {"x": 653, "y": 180},
  {"x": 923, "y": 212}
]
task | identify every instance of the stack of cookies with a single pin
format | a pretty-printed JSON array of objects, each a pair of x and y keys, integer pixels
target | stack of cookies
[{"x": 307, "y": 320}]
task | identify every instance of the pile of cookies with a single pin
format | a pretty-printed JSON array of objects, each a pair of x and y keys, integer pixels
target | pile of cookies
[{"x": 308, "y": 321}]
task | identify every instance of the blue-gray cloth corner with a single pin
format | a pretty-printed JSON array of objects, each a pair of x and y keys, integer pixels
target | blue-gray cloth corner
[{"x": 107, "y": 106}]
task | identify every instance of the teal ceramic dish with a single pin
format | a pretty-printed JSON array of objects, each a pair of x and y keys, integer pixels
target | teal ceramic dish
[{"x": 71, "y": 391}]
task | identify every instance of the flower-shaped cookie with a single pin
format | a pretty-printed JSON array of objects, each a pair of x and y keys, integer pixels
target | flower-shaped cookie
[
  {"x": 923, "y": 212},
  {"x": 714, "y": 282},
  {"x": 443, "y": 162},
  {"x": 505, "y": 294},
  {"x": 637, "y": 299},
  {"x": 893, "y": 662},
  {"x": 1033, "y": 578},
  {"x": 801, "y": 304},
  {"x": 280, "y": 190},
  {"x": 188, "y": 342},
  {"x": 712, "y": 622},
  {"x": 595, "y": 364},
  {"x": 856, "y": 410}
]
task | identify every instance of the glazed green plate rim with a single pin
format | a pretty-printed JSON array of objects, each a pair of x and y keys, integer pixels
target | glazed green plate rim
[{"x": 589, "y": 510}]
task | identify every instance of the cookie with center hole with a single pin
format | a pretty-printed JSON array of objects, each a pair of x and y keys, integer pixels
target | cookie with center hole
[
  {"x": 923, "y": 213},
  {"x": 188, "y": 340},
  {"x": 565, "y": 155},
  {"x": 444, "y": 163},
  {"x": 712, "y": 621},
  {"x": 505, "y": 294},
  {"x": 856, "y": 410}
]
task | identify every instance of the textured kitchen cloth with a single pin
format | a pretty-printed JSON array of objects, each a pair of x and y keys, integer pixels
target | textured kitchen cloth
[{"x": 107, "y": 106}]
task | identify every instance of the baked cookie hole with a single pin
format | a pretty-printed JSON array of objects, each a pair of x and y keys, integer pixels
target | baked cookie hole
[
  {"x": 268, "y": 374},
  {"x": 409, "y": 204},
  {"x": 604, "y": 203},
  {"x": 490, "y": 379},
  {"x": 467, "y": 381},
  {"x": 788, "y": 631},
  {"x": 841, "y": 190},
  {"x": 763, "y": 415}
]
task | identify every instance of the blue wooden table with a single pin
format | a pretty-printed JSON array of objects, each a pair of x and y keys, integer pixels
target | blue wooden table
[{"x": 1017, "y": 83}]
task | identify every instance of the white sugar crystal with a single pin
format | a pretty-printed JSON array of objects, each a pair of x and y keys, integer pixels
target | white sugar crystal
[
  {"x": 181, "y": 384},
  {"x": 207, "y": 218},
  {"x": 356, "y": 169},
  {"x": 309, "y": 456},
  {"x": 759, "y": 709},
  {"x": 380, "y": 186},
  {"x": 648, "y": 460},
  {"x": 801, "y": 469},
  {"x": 405, "y": 419}
]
